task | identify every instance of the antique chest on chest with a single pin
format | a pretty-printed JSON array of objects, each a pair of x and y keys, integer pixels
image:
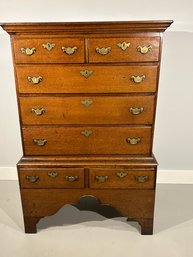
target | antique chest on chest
[{"x": 87, "y": 99}]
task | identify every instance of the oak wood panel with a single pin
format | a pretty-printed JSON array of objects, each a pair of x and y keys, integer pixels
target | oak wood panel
[
  {"x": 118, "y": 55},
  {"x": 46, "y": 181},
  {"x": 104, "y": 79},
  {"x": 70, "y": 140},
  {"x": 130, "y": 203},
  {"x": 42, "y": 55},
  {"x": 72, "y": 110},
  {"x": 137, "y": 205},
  {"x": 113, "y": 181}
]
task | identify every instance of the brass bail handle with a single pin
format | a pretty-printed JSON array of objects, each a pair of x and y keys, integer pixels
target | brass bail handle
[
  {"x": 71, "y": 178},
  {"x": 142, "y": 179},
  {"x": 144, "y": 49},
  {"x": 40, "y": 142},
  {"x": 136, "y": 110},
  {"x": 28, "y": 51},
  {"x": 38, "y": 111},
  {"x": 101, "y": 178},
  {"x": 69, "y": 50},
  {"x": 32, "y": 179},
  {"x": 133, "y": 141},
  {"x": 35, "y": 79},
  {"x": 103, "y": 50}
]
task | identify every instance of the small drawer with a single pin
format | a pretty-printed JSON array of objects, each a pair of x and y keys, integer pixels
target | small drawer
[
  {"x": 144, "y": 49},
  {"x": 87, "y": 110},
  {"x": 90, "y": 79},
  {"x": 49, "y": 50},
  {"x": 121, "y": 178},
  {"x": 58, "y": 140},
  {"x": 51, "y": 178}
]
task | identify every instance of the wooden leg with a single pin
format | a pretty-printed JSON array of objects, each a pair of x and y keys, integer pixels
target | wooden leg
[
  {"x": 146, "y": 226},
  {"x": 30, "y": 224}
]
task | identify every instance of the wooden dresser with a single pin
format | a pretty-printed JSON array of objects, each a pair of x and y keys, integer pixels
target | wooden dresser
[{"x": 87, "y": 98}]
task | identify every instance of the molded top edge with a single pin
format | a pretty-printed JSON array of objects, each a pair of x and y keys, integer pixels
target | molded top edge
[{"x": 87, "y": 27}]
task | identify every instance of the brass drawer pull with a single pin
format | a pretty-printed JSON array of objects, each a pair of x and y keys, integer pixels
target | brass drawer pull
[
  {"x": 40, "y": 142},
  {"x": 71, "y": 178},
  {"x": 136, "y": 110},
  {"x": 38, "y": 111},
  {"x": 144, "y": 49},
  {"x": 86, "y": 133},
  {"x": 138, "y": 79},
  {"x": 48, "y": 46},
  {"x": 52, "y": 174},
  {"x": 124, "y": 45},
  {"x": 32, "y": 179},
  {"x": 28, "y": 51},
  {"x": 133, "y": 141},
  {"x": 87, "y": 103},
  {"x": 86, "y": 73},
  {"x": 121, "y": 174},
  {"x": 142, "y": 179},
  {"x": 102, "y": 178},
  {"x": 103, "y": 50},
  {"x": 35, "y": 80},
  {"x": 69, "y": 50}
]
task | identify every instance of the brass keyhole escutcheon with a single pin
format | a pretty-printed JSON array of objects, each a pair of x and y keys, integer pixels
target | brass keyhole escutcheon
[
  {"x": 48, "y": 46},
  {"x": 87, "y": 103},
  {"x": 86, "y": 133},
  {"x": 52, "y": 174},
  {"x": 121, "y": 174},
  {"x": 124, "y": 45},
  {"x": 86, "y": 73}
]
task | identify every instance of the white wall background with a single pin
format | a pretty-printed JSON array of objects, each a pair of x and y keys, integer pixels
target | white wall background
[{"x": 174, "y": 124}]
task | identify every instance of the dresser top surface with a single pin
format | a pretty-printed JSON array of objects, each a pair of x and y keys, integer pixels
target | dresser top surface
[{"x": 87, "y": 27}]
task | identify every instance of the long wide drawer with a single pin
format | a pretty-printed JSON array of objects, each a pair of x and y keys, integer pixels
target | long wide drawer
[
  {"x": 87, "y": 110},
  {"x": 121, "y": 178},
  {"x": 45, "y": 140},
  {"x": 49, "y": 50},
  {"x": 51, "y": 178},
  {"x": 141, "y": 49},
  {"x": 90, "y": 79}
]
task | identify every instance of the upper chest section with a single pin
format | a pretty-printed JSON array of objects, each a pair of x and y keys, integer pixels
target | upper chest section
[{"x": 62, "y": 48}]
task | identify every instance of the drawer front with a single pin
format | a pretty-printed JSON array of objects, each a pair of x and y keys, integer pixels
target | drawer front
[
  {"x": 124, "y": 49},
  {"x": 90, "y": 79},
  {"x": 86, "y": 140},
  {"x": 87, "y": 110},
  {"x": 65, "y": 50},
  {"x": 52, "y": 178},
  {"x": 121, "y": 178}
]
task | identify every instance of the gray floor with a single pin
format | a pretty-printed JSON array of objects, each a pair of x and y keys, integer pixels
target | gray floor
[{"x": 84, "y": 233}]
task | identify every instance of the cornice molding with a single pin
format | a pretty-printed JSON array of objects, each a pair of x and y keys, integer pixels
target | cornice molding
[{"x": 87, "y": 27}]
